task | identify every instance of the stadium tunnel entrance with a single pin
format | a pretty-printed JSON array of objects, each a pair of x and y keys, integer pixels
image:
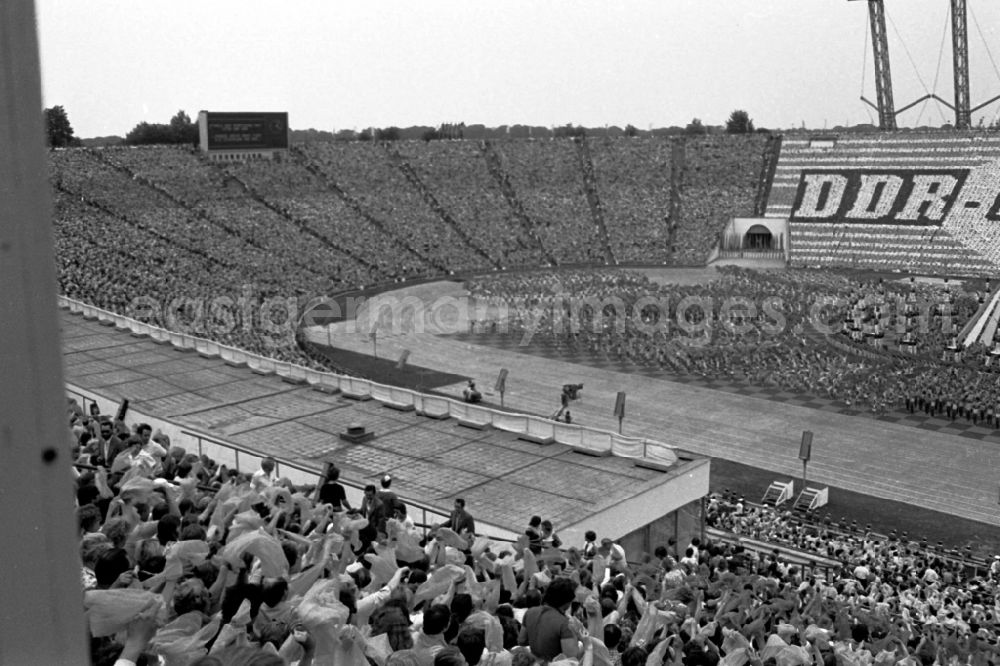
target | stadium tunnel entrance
[
  {"x": 753, "y": 238},
  {"x": 758, "y": 237}
]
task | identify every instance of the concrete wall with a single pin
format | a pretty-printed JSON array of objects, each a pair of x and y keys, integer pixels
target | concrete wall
[{"x": 681, "y": 487}]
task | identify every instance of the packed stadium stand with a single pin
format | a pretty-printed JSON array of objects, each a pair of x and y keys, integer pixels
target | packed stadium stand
[
  {"x": 958, "y": 239},
  {"x": 198, "y": 561},
  {"x": 633, "y": 178}
]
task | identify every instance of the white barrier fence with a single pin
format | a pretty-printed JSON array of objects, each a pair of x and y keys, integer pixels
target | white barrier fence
[{"x": 536, "y": 428}]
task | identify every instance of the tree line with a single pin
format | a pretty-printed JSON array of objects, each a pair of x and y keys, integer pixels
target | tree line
[{"x": 181, "y": 130}]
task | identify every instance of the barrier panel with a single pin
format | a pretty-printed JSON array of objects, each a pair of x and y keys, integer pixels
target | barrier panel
[
  {"x": 353, "y": 387},
  {"x": 314, "y": 377},
  {"x": 205, "y": 348},
  {"x": 233, "y": 356},
  {"x": 297, "y": 373},
  {"x": 568, "y": 434},
  {"x": 456, "y": 409},
  {"x": 471, "y": 415},
  {"x": 598, "y": 441},
  {"x": 433, "y": 406},
  {"x": 541, "y": 429},
  {"x": 261, "y": 365},
  {"x": 629, "y": 447},
  {"x": 660, "y": 453},
  {"x": 380, "y": 392},
  {"x": 516, "y": 423},
  {"x": 328, "y": 383},
  {"x": 402, "y": 397}
]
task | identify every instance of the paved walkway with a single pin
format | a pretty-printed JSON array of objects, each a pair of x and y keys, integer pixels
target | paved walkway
[{"x": 952, "y": 468}]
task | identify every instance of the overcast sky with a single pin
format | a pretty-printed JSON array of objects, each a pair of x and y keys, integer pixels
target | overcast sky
[{"x": 335, "y": 64}]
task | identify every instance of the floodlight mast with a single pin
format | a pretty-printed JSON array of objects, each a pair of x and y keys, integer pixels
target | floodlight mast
[
  {"x": 960, "y": 63},
  {"x": 883, "y": 75}
]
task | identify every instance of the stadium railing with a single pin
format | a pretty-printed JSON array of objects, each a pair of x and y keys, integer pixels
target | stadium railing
[
  {"x": 973, "y": 330},
  {"x": 794, "y": 556},
  {"x": 245, "y": 459},
  {"x": 591, "y": 440}
]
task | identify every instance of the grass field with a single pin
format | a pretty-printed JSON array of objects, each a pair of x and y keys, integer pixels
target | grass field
[{"x": 387, "y": 371}]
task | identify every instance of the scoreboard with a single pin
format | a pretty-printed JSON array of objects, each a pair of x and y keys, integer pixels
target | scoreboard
[{"x": 243, "y": 131}]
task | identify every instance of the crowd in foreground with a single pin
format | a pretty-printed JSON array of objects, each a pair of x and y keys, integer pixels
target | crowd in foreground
[
  {"x": 807, "y": 331},
  {"x": 185, "y": 562}
]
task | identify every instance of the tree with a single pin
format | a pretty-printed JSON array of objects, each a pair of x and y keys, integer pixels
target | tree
[
  {"x": 145, "y": 134},
  {"x": 387, "y": 134},
  {"x": 57, "y": 128},
  {"x": 695, "y": 127},
  {"x": 631, "y": 130},
  {"x": 739, "y": 122},
  {"x": 569, "y": 130},
  {"x": 182, "y": 129}
]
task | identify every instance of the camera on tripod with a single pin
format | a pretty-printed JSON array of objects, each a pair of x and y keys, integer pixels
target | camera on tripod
[{"x": 571, "y": 392}]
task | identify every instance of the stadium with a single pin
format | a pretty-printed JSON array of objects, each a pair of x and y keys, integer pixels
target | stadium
[{"x": 712, "y": 397}]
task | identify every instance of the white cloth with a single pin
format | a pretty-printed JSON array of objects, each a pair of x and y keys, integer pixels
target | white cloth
[{"x": 261, "y": 480}]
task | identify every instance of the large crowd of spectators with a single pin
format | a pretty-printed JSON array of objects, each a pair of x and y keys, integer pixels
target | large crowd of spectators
[
  {"x": 634, "y": 184},
  {"x": 342, "y": 215},
  {"x": 366, "y": 172},
  {"x": 216, "y": 193},
  {"x": 454, "y": 171},
  {"x": 185, "y": 562},
  {"x": 871, "y": 343},
  {"x": 719, "y": 181},
  {"x": 547, "y": 178},
  {"x": 164, "y": 235}
]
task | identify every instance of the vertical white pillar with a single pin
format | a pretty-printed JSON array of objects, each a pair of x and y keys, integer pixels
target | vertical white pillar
[{"x": 41, "y": 619}]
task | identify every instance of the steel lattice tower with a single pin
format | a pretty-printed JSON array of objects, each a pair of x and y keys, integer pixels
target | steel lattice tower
[{"x": 960, "y": 61}]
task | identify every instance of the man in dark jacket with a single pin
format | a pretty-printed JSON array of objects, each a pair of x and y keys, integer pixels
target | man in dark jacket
[{"x": 461, "y": 520}]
